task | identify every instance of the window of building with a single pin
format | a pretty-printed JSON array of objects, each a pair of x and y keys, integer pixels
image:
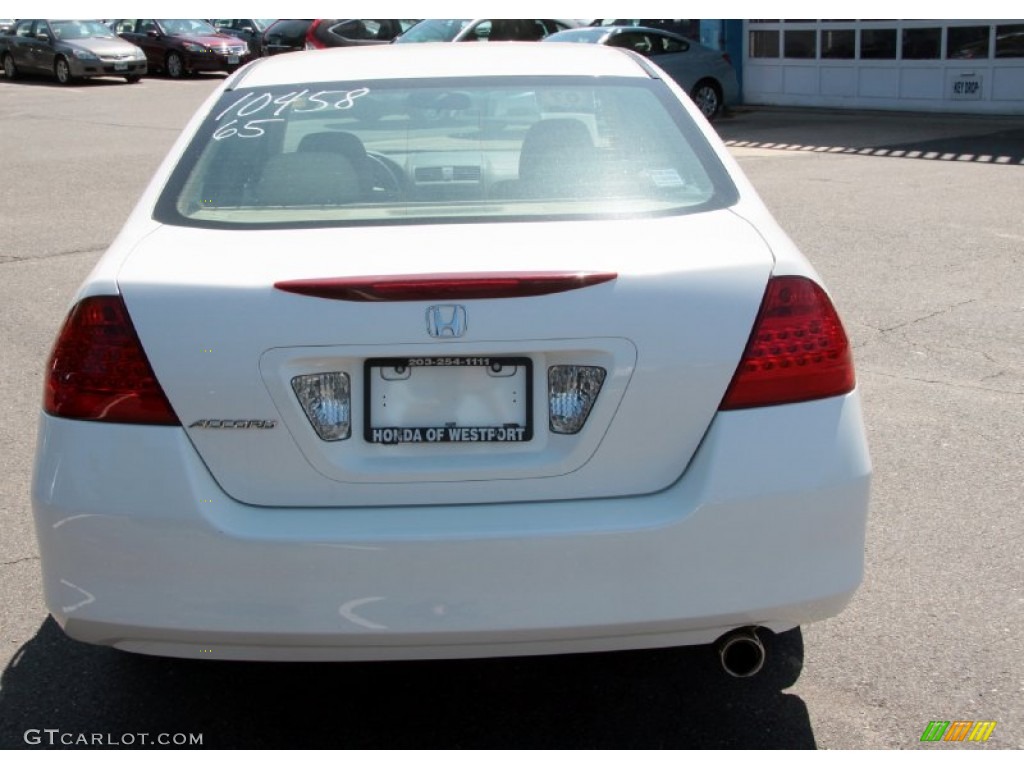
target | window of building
[
  {"x": 878, "y": 44},
  {"x": 967, "y": 42},
  {"x": 764, "y": 44},
  {"x": 922, "y": 43},
  {"x": 800, "y": 44},
  {"x": 838, "y": 43},
  {"x": 1010, "y": 41}
]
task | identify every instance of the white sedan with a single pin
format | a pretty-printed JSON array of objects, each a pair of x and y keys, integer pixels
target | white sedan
[{"x": 449, "y": 351}]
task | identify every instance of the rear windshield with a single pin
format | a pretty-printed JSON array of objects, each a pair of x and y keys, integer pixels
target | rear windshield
[
  {"x": 384, "y": 152},
  {"x": 80, "y": 30},
  {"x": 290, "y": 26},
  {"x": 581, "y": 35},
  {"x": 187, "y": 27},
  {"x": 434, "y": 31}
]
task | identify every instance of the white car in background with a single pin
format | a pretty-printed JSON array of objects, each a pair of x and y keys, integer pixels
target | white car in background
[
  {"x": 704, "y": 73},
  {"x": 446, "y": 351}
]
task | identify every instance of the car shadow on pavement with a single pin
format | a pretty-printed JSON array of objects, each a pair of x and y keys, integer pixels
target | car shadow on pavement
[
  {"x": 996, "y": 140},
  {"x": 673, "y": 698},
  {"x": 48, "y": 81},
  {"x": 36, "y": 80}
]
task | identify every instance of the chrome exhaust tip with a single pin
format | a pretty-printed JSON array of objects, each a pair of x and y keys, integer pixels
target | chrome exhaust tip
[{"x": 741, "y": 652}]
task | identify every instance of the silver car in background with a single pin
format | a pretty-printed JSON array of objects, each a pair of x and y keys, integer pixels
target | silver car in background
[
  {"x": 69, "y": 49},
  {"x": 483, "y": 30},
  {"x": 704, "y": 73}
]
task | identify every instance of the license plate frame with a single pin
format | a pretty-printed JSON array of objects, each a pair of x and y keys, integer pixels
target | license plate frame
[
  {"x": 444, "y": 429},
  {"x": 232, "y": 59},
  {"x": 120, "y": 67}
]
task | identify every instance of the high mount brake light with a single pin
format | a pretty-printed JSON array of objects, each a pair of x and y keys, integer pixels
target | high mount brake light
[
  {"x": 485, "y": 285},
  {"x": 98, "y": 370},
  {"x": 798, "y": 350}
]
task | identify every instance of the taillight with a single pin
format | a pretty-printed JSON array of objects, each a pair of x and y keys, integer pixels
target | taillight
[
  {"x": 311, "y": 40},
  {"x": 728, "y": 59},
  {"x": 798, "y": 350},
  {"x": 98, "y": 370}
]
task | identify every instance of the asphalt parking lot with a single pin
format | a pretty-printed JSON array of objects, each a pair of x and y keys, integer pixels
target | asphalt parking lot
[{"x": 914, "y": 222}]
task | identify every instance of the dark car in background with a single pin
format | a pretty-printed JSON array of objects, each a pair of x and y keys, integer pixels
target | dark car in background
[
  {"x": 69, "y": 50},
  {"x": 336, "y": 33},
  {"x": 285, "y": 35},
  {"x": 705, "y": 74},
  {"x": 180, "y": 47},
  {"x": 249, "y": 30}
]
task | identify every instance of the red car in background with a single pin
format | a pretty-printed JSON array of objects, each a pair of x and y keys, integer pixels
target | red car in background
[
  {"x": 286, "y": 35},
  {"x": 180, "y": 47},
  {"x": 336, "y": 33}
]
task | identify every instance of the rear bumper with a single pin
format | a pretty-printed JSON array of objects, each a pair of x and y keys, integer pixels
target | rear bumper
[{"x": 141, "y": 550}]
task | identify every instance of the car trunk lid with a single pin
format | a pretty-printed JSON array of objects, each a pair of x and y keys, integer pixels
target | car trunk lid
[{"x": 667, "y": 324}]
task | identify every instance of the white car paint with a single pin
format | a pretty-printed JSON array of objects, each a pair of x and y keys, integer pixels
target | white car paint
[{"x": 664, "y": 521}]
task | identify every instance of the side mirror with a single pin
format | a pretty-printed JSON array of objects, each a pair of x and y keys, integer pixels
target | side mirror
[
  {"x": 248, "y": 30},
  {"x": 153, "y": 33},
  {"x": 43, "y": 36}
]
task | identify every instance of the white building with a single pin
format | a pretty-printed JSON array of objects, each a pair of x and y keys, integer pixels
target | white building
[{"x": 936, "y": 65}]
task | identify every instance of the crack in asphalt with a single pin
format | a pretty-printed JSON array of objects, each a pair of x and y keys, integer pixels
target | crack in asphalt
[
  {"x": 932, "y": 347},
  {"x": 954, "y": 385},
  {"x": 937, "y": 348},
  {"x": 20, "y": 560},
  {"x": 994, "y": 375},
  {"x": 8, "y": 259},
  {"x": 929, "y": 316},
  {"x": 172, "y": 129}
]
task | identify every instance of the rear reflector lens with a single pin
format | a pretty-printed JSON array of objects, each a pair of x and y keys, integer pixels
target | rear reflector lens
[
  {"x": 487, "y": 285},
  {"x": 326, "y": 400},
  {"x": 798, "y": 350},
  {"x": 572, "y": 392},
  {"x": 99, "y": 371}
]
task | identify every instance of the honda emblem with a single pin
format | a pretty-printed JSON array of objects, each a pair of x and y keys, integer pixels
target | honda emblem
[{"x": 446, "y": 321}]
